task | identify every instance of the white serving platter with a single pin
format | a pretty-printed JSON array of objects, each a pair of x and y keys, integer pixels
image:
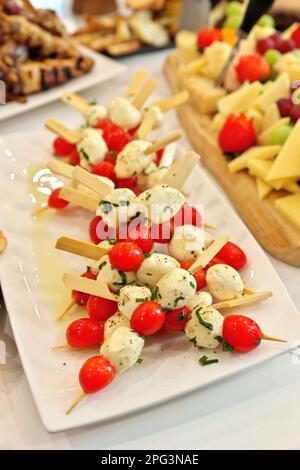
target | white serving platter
[
  {"x": 104, "y": 69},
  {"x": 31, "y": 271}
]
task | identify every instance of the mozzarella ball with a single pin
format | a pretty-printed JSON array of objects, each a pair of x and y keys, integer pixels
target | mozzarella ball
[
  {"x": 187, "y": 243},
  {"x": 132, "y": 160},
  {"x": 224, "y": 282},
  {"x": 121, "y": 206},
  {"x": 159, "y": 117},
  {"x": 113, "y": 323},
  {"x": 162, "y": 201},
  {"x": 175, "y": 288},
  {"x": 92, "y": 147},
  {"x": 123, "y": 113},
  {"x": 142, "y": 178},
  {"x": 115, "y": 279},
  {"x": 154, "y": 267},
  {"x": 156, "y": 176},
  {"x": 123, "y": 348},
  {"x": 94, "y": 114},
  {"x": 204, "y": 336},
  {"x": 201, "y": 298},
  {"x": 131, "y": 297}
]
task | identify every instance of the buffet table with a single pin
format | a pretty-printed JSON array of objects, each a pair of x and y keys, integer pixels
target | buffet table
[{"x": 257, "y": 409}]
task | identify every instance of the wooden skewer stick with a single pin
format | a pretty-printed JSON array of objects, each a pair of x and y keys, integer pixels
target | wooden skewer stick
[
  {"x": 60, "y": 168},
  {"x": 168, "y": 156},
  {"x": 89, "y": 286},
  {"x": 144, "y": 94},
  {"x": 61, "y": 346},
  {"x": 270, "y": 338},
  {"x": 161, "y": 143},
  {"x": 59, "y": 129},
  {"x": 40, "y": 210},
  {"x": 76, "y": 101},
  {"x": 172, "y": 102},
  {"x": 248, "y": 299},
  {"x": 67, "y": 310},
  {"x": 180, "y": 171},
  {"x": 208, "y": 254},
  {"x": 146, "y": 125},
  {"x": 136, "y": 82},
  {"x": 76, "y": 402},
  {"x": 80, "y": 198},
  {"x": 99, "y": 185},
  {"x": 249, "y": 291},
  {"x": 81, "y": 248}
]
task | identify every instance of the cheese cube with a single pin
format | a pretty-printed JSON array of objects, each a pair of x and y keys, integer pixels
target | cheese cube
[
  {"x": 271, "y": 116},
  {"x": 263, "y": 188},
  {"x": 278, "y": 89},
  {"x": 241, "y": 100},
  {"x": 264, "y": 153}
]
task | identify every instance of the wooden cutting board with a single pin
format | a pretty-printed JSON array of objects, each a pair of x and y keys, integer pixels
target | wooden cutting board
[{"x": 275, "y": 233}]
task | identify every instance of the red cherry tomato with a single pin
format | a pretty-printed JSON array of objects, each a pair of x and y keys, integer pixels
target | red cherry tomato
[
  {"x": 96, "y": 373},
  {"x": 176, "y": 319},
  {"x": 296, "y": 36},
  {"x": 137, "y": 191},
  {"x": 200, "y": 276},
  {"x": 232, "y": 255},
  {"x": 126, "y": 182},
  {"x": 214, "y": 261},
  {"x": 252, "y": 67},
  {"x": 85, "y": 333},
  {"x": 207, "y": 36},
  {"x": 105, "y": 169},
  {"x": 116, "y": 139},
  {"x": 74, "y": 157},
  {"x": 82, "y": 298},
  {"x": 126, "y": 256},
  {"x": 106, "y": 125},
  {"x": 62, "y": 147},
  {"x": 101, "y": 309},
  {"x": 242, "y": 333},
  {"x": 237, "y": 135},
  {"x": 110, "y": 157},
  {"x": 188, "y": 215},
  {"x": 55, "y": 201},
  {"x": 133, "y": 130},
  {"x": 148, "y": 318},
  {"x": 100, "y": 231},
  {"x": 162, "y": 233},
  {"x": 140, "y": 236},
  {"x": 159, "y": 154}
]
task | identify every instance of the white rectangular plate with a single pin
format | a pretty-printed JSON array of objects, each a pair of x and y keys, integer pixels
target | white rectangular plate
[
  {"x": 103, "y": 70},
  {"x": 31, "y": 273}
]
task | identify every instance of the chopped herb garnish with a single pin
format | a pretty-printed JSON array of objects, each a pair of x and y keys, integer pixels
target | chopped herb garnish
[
  {"x": 182, "y": 316},
  {"x": 225, "y": 346},
  {"x": 192, "y": 285},
  {"x": 145, "y": 299},
  {"x": 155, "y": 293},
  {"x": 147, "y": 197},
  {"x": 147, "y": 255},
  {"x": 106, "y": 207},
  {"x": 166, "y": 309},
  {"x": 178, "y": 300},
  {"x": 93, "y": 102},
  {"x": 123, "y": 277},
  {"x": 111, "y": 241},
  {"x": 101, "y": 265},
  {"x": 84, "y": 154},
  {"x": 140, "y": 360},
  {"x": 207, "y": 325},
  {"x": 204, "y": 361}
]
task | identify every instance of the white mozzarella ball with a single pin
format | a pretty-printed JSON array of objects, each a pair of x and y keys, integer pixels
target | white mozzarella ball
[
  {"x": 132, "y": 160},
  {"x": 115, "y": 279},
  {"x": 201, "y": 298},
  {"x": 175, "y": 288},
  {"x": 94, "y": 114},
  {"x": 123, "y": 348},
  {"x": 224, "y": 282},
  {"x": 156, "y": 176},
  {"x": 154, "y": 267},
  {"x": 162, "y": 201},
  {"x": 123, "y": 113},
  {"x": 159, "y": 117},
  {"x": 203, "y": 325},
  {"x": 121, "y": 206},
  {"x": 92, "y": 147},
  {"x": 187, "y": 243},
  {"x": 113, "y": 323},
  {"x": 131, "y": 297}
]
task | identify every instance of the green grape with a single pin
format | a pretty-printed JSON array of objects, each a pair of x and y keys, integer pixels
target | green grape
[
  {"x": 234, "y": 8},
  {"x": 233, "y": 22},
  {"x": 279, "y": 136},
  {"x": 272, "y": 56},
  {"x": 266, "y": 21}
]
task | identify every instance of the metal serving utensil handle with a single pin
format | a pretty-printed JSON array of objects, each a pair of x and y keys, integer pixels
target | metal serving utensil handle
[{"x": 255, "y": 9}]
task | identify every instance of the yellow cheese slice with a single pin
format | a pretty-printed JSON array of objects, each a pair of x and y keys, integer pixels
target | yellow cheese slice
[
  {"x": 186, "y": 43},
  {"x": 279, "y": 89},
  {"x": 264, "y": 153},
  {"x": 292, "y": 188},
  {"x": 264, "y": 138},
  {"x": 289, "y": 207},
  {"x": 240, "y": 100},
  {"x": 271, "y": 116},
  {"x": 204, "y": 93},
  {"x": 287, "y": 163},
  {"x": 263, "y": 188},
  {"x": 257, "y": 119},
  {"x": 259, "y": 168},
  {"x": 218, "y": 122}
]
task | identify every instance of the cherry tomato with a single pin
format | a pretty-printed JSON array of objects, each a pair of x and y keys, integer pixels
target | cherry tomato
[
  {"x": 137, "y": 191},
  {"x": 85, "y": 333},
  {"x": 214, "y": 261},
  {"x": 252, "y": 67},
  {"x": 110, "y": 157},
  {"x": 159, "y": 154},
  {"x": 162, "y": 233},
  {"x": 176, "y": 319},
  {"x": 188, "y": 215},
  {"x": 233, "y": 255},
  {"x": 126, "y": 182},
  {"x": 242, "y": 333},
  {"x": 96, "y": 373},
  {"x": 126, "y": 256},
  {"x": 116, "y": 139},
  {"x": 74, "y": 157},
  {"x": 141, "y": 236},
  {"x": 237, "y": 135},
  {"x": 105, "y": 169},
  {"x": 101, "y": 309},
  {"x": 200, "y": 276},
  {"x": 55, "y": 201},
  {"x": 62, "y": 148},
  {"x": 106, "y": 125},
  {"x": 133, "y": 130},
  {"x": 82, "y": 298},
  {"x": 100, "y": 231},
  {"x": 207, "y": 36},
  {"x": 148, "y": 318}
]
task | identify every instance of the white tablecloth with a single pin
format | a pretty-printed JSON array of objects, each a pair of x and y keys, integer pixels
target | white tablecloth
[{"x": 256, "y": 409}]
